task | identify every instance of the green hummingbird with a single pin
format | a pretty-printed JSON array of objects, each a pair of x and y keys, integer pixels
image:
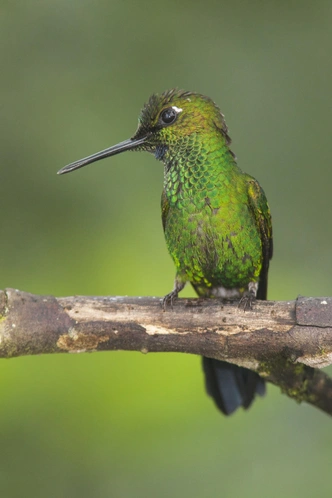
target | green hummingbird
[{"x": 216, "y": 218}]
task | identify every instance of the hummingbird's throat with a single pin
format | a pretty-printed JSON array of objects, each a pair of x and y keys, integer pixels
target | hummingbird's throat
[{"x": 196, "y": 172}]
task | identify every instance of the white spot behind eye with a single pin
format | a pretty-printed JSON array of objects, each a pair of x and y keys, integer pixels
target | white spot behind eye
[{"x": 176, "y": 109}]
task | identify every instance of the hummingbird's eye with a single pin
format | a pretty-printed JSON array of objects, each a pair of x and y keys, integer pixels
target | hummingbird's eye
[{"x": 168, "y": 116}]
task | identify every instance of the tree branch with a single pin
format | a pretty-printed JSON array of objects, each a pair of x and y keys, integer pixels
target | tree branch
[{"x": 280, "y": 340}]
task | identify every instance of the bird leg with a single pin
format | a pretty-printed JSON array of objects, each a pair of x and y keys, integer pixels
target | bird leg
[
  {"x": 169, "y": 298},
  {"x": 248, "y": 298}
]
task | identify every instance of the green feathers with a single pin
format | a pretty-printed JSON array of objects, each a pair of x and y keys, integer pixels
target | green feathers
[{"x": 216, "y": 218}]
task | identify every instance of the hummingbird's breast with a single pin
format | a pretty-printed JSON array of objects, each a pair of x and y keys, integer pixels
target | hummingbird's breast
[{"x": 209, "y": 229}]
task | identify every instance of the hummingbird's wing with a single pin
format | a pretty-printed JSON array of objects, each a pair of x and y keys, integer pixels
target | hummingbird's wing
[{"x": 261, "y": 213}]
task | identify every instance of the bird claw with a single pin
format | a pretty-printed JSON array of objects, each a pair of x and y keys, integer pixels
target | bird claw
[
  {"x": 247, "y": 301},
  {"x": 169, "y": 299}
]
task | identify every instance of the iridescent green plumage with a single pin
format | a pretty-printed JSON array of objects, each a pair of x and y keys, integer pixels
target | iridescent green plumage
[{"x": 216, "y": 218}]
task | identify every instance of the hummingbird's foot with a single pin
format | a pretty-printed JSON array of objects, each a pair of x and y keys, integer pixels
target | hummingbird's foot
[
  {"x": 247, "y": 300},
  {"x": 169, "y": 299},
  {"x": 249, "y": 297}
]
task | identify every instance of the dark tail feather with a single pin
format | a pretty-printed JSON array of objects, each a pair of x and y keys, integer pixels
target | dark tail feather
[{"x": 231, "y": 386}]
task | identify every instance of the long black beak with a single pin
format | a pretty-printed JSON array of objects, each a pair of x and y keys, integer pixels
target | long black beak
[{"x": 129, "y": 144}]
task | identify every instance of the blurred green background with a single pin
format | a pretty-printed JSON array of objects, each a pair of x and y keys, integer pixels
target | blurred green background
[{"x": 74, "y": 75}]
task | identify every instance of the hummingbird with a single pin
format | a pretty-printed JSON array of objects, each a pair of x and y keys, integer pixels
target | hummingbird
[{"x": 216, "y": 218}]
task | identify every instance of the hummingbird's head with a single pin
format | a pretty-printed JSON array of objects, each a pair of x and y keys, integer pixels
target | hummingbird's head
[
  {"x": 175, "y": 114},
  {"x": 164, "y": 122},
  {"x": 167, "y": 118}
]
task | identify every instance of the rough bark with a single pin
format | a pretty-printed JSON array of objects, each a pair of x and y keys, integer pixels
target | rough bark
[{"x": 281, "y": 340}]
